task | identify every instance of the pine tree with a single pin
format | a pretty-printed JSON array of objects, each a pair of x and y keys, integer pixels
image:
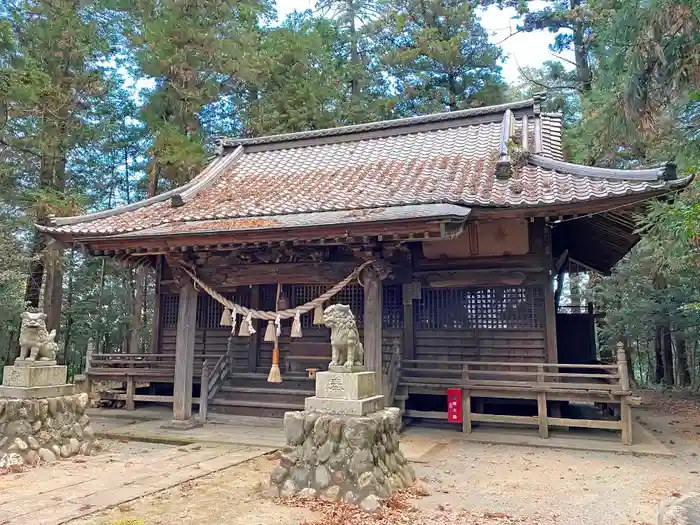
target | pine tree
[
  {"x": 439, "y": 55},
  {"x": 51, "y": 80},
  {"x": 197, "y": 53}
]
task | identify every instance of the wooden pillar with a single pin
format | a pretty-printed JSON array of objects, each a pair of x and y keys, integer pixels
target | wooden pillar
[
  {"x": 155, "y": 322},
  {"x": 184, "y": 357},
  {"x": 130, "y": 391},
  {"x": 254, "y": 342},
  {"x": 408, "y": 293},
  {"x": 373, "y": 325}
]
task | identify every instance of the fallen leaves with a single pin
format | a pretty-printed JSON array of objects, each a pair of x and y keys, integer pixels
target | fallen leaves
[{"x": 399, "y": 510}]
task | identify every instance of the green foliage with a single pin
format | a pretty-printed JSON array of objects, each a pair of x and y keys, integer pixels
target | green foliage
[
  {"x": 197, "y": 53},
  {"x": 439, "y": 56}
]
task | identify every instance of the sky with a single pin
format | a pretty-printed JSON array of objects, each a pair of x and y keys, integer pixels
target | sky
[{"x": 521, "y": 49}]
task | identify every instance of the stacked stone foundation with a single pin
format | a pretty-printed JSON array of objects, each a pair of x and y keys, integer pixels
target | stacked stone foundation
[
  {"x": 46, "y": 428},
  {"x": 356, "y": 459}
]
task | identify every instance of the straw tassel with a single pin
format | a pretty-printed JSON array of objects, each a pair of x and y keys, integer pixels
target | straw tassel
[
  {"x": 234, "y": 316},
  {"x": 296, "y": 325},
  {"x": 318, "y": 314},
  {"x": 274, "y": 330},
  {"x": 270, "y": 332},
  {"x": 247, "y": 326},
  {"x": 226, "y": 318}
]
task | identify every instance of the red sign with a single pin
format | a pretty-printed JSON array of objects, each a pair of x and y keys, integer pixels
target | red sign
[{"x": 454, "y": 405}]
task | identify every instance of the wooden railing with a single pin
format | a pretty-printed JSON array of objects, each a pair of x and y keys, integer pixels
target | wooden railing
[
  {"x": 212, "y": 380},
  {"x": 544, "y": 382}
]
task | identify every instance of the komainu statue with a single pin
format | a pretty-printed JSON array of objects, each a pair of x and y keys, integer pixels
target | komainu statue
[
  {"x": 34, "y": 341},
  {"x": 684, "y": 510},
  {"x": 345, "y": 339}
]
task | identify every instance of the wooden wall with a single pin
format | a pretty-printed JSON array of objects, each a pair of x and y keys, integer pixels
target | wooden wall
[{"x": 487, "y": 323}]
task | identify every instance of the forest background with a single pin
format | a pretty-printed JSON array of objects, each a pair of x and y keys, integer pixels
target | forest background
[{"x": 105, "y": 102}]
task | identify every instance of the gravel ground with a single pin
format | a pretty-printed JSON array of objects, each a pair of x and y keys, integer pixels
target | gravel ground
[{"x": 464, "y": 484}]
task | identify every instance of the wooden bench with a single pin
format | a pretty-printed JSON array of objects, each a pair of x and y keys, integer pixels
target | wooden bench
[{"x": 307, "y": 355}]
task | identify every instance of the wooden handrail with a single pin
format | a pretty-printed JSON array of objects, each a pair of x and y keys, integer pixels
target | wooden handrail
[
  {"x": 218, "y": 376},
  {"x": 204, "y": 393},
  {"x": 508, "y": 363}
]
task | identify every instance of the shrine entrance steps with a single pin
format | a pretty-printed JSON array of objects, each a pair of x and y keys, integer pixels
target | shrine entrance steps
[{"x": 249, "y": 394}]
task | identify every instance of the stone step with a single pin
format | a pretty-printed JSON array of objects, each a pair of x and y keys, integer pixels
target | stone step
[
  {"x": 269, "y": 390},
  {"x": 255, "y": 380},
  {"x": 253, "y": 403},
  {"x": 253, "y": 408}
]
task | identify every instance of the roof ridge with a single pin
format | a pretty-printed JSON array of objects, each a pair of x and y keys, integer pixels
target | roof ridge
[
  {"x": 225, "y": 142},
  {"x": 666, "y": 171}
]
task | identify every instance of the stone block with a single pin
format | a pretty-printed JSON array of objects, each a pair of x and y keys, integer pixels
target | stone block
[
  {"x": 20, "y": 392},
  {"x": 342, "y": 369},
  {"x": 358, "y": 385},
  {"x": 24, "y": 363},
  {"x": 33, "y": 376},
  {"x": 352, "y": 407}
]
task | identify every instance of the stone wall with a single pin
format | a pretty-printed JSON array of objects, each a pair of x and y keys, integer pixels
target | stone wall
[
  {"x": 45, "y": 428},
  {"x": 354, "y": 458}
]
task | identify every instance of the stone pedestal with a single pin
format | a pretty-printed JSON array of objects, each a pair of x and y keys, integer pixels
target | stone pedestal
[
  {"x": 346, "y": 393},
  {"x": 41, "y": 417},
  {"x": 345, "y": 445}
]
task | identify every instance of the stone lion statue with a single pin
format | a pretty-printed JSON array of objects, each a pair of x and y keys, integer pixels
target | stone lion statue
[
  {"x": 346, "y": 347},
  {"x": 684, "y": 510},
  {"x": 34, "y": 341}
]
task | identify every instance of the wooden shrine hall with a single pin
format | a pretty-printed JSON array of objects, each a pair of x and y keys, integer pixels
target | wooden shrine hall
[{"x": 464, "y": 222}]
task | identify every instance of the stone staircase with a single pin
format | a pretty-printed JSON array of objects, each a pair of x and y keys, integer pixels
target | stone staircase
[{"x": 249, "y": 394}]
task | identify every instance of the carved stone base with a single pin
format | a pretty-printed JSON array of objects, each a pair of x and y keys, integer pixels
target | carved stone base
[
  {"x": 28, "y": 376},
  {"x": 349, "y": 407},
  {"x": 358, "y": 385},
  {"x": 36, "y": 392}
]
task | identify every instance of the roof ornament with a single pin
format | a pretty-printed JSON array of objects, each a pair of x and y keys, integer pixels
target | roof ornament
[
  {"x": 176, "y": 201},
  {"x": 504, "y": 168}
]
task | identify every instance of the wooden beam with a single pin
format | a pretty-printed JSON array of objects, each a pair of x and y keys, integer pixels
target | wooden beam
[
  {"x": 373, "y": 325},
  {"x": 184, "y": 355}
]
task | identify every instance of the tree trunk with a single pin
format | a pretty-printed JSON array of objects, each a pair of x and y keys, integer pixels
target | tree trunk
[
  {"x": 35, "y": 278},
  {"x": 53, "y": 289},
  {"x": 683, "y": 371},
  {"x": 658, "y": 354},
  {"x": 136, "y": 317},
  {"x": 69, "y": 316},
  {"x": 355, "y": 87},
  {"x": 583, "y": 68},
  {"x": 667, "y": 356}
]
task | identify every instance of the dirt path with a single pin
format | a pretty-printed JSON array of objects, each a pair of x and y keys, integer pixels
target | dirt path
[
  {"x": 467, "y": 484},
  {"x": 56, "y": 494}
]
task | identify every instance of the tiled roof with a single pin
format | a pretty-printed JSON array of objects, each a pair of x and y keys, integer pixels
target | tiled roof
[
  {"x": 306, "y": 220},
  {"x": 447, "y": 158}
]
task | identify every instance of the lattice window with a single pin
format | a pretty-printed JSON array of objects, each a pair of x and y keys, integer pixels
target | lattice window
[
  {"x": 169, "y": 307},
  {"x": 209, "y": 310},
  {"x": 352, "y": 295},
  {"x": 392, "y": 310},
  {"x": 497, "y": 307}
]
